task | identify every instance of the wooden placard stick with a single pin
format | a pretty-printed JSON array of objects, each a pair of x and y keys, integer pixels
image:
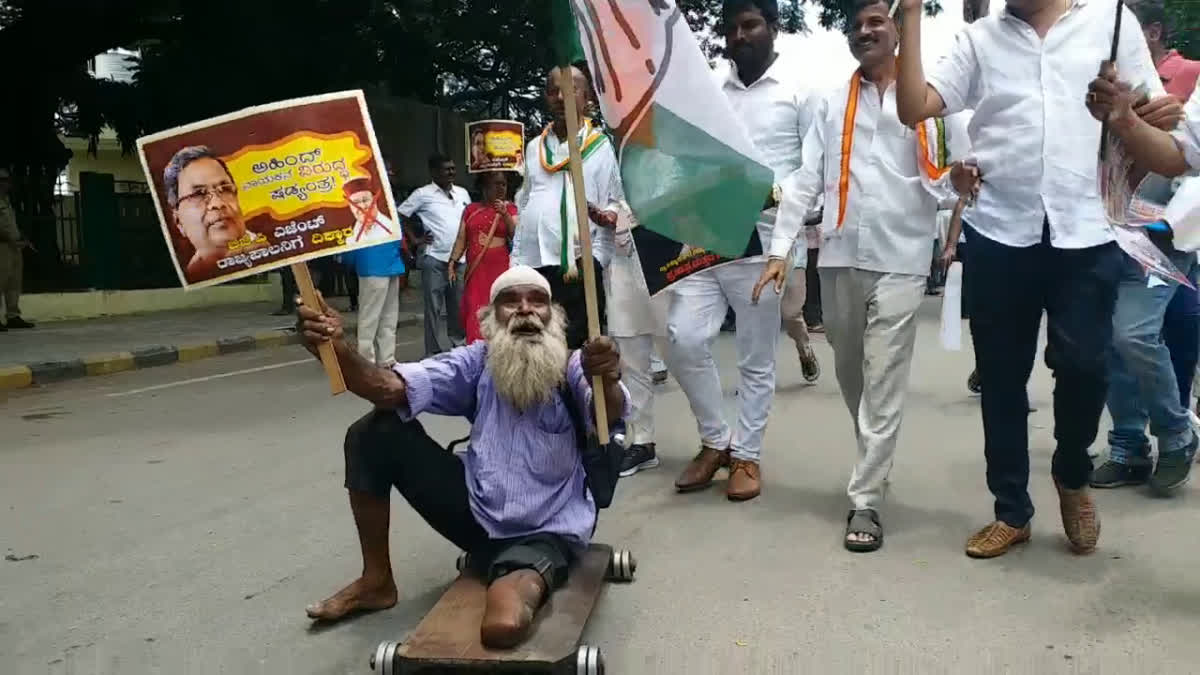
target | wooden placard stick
[
  {"x": 308, "y": 293},
  {"x": 567, "y": 78}
]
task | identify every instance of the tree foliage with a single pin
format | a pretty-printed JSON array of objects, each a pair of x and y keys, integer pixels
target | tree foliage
[
  {"x": 480, "y": 57},
  {"x": 1185, "y": 24}
]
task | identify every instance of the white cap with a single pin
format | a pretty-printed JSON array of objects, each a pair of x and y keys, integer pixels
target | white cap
[{"x": 519, "y": 275}]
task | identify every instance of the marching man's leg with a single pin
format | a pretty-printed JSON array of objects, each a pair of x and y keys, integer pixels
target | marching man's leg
[
  {"x": 635, "y": 358},
  {"x": 697, "y": 309},
  {"x": 792, "y": 309},
  {"x": 757, "y": 337},
  {"x": 891, "y": 303}
]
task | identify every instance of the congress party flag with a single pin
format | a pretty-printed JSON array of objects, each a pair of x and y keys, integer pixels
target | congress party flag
[{"x": 690, "y": 172}]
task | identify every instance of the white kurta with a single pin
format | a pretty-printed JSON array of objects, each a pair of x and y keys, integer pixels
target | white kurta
[
  {"x": 538, "y": 240},
  {"x": 890, "y": 213}
]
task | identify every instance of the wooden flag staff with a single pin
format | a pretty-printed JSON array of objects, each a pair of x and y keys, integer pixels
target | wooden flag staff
[
  {"x": 308, "y": 293},
  {"x": 567, "y": 79}
]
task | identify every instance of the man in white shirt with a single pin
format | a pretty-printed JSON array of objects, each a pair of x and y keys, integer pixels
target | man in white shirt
[
  {"x": 440, "y": 206},
  {"x": 880, "y": 215},
  {"x": 1039, "y": 238},
  {"x": 548, "y": 238},
  {"x": 776, "y": 113}
]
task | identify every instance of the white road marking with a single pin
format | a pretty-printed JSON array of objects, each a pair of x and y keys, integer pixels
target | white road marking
[
  {"x": 197, "y": 380},
  {"x": 221, "y": 376}
]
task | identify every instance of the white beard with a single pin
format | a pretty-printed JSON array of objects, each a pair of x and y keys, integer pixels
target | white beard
[{"x": 526, "y": 369}]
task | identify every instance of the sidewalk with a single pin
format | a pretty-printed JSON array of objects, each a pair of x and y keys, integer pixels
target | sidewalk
[{"x": 65, "y": 350}]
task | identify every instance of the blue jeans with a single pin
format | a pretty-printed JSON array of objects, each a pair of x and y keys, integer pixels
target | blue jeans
[
  {"x": 1142, "y": 385},
  {"x": 1181, "y": 333}
]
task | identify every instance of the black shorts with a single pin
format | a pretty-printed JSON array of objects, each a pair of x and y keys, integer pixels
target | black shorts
[{"x": 383, "y": 451}]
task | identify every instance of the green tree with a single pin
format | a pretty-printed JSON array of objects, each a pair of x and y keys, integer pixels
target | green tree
[
  {"x": 1185, "y": 19},
  {"x": 480, "y": 57}
]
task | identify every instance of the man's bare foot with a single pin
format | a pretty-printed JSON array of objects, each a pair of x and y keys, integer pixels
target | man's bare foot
[{"x": 362, "y": 595}]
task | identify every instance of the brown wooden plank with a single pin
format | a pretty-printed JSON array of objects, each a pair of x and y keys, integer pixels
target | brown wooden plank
[{"x": 449, "y": 633}]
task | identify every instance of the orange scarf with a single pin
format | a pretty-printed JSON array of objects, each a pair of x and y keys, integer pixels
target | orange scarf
[{"x": 933, "y": 166}]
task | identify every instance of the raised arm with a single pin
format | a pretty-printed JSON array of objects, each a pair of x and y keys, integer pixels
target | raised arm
[{"x": 915, "y": 98}]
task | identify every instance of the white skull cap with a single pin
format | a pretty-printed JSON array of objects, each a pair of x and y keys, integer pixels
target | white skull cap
[{"x": 519, "y": 275}]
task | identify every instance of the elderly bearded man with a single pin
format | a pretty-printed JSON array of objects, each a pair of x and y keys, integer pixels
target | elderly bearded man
[{"x": 517, "y": 502}]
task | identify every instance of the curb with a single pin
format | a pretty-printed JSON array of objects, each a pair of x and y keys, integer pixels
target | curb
[{"x": 21, "y": 376}]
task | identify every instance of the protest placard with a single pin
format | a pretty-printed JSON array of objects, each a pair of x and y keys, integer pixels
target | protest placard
[
  {"x": 495, "y": 145},
  {"x": 269, "y": 186}
]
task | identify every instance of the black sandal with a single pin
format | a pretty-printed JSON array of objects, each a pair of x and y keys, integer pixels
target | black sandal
[{"x": 865, "y": 521}]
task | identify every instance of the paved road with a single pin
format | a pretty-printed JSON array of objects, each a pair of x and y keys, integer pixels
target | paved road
[{"x": 182, "y": 517}]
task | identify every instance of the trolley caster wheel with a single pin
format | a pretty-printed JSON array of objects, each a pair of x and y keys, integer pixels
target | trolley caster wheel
[
  {"x": 622, "y": 566},
  {"x": 589, "y": 661},
  {"x": 974, "y": 385},
  {"x": 461, "y": 563},
  {"x": 383, "y": 661}
]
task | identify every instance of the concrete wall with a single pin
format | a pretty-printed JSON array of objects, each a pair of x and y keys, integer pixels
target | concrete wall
[{"x": 92, "y": 304}]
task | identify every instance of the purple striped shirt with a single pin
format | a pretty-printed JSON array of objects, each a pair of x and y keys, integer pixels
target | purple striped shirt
[{"x": 524, "y": 472}]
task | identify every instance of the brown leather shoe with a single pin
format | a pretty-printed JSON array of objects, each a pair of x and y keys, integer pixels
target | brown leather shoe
[
  {"x": 512, "y": 601},
  {"x": 699, "y": 473},
  {"x": 995, "y": 540},
  {"x": 1080, "y": 519},
  {"x": 745, "y": 481}
]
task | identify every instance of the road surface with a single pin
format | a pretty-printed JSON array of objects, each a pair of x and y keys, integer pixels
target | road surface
[{"x": 178, "y": 520}]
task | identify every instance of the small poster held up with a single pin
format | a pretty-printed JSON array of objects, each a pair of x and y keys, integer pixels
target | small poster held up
[
  {"x": 269, "y": 186},
  {"x": 495, "y": 145}
]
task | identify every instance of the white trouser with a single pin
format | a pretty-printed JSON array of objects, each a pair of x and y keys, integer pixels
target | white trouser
[
  {"x": 871, "y": 323},
  {"x": 378, "y": 314},
  {"x": 698, "y": 305},
  {"x": 637, "y": 374}
]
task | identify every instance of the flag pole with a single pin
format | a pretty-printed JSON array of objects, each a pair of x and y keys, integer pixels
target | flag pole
[
  {"x": 1116, "y": 42},
  {"x": 567, "y": 80}
]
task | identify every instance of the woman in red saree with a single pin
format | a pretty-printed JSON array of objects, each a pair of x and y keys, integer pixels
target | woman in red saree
[{"x": 485, "y": 232}]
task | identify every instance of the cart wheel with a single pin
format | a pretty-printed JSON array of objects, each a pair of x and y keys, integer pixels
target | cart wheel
[
  {"x": 461, "y": 563},
  {"x": 589, "y": 661},
  {"x": 383, "y": 661},
  {"x": 974, "y": 385},
  {"x": 622, "y": 566}
]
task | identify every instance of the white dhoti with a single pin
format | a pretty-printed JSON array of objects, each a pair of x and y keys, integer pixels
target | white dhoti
[
  {"x": 871, "y": 323},
  {"x": 637, "y": 322},
  {"x": 698, "y": 307},
  {"x": 378, "y": 314}
]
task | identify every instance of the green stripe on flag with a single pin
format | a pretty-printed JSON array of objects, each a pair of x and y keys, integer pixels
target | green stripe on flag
[
  {"x": 692, "y": 187},
  {"x": 564, "y": 33}
]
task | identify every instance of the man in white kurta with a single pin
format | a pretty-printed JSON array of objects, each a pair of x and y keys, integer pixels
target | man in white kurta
[
  {"x": 775, "y": 110},
  {"x": 638, "y": 323},
  {"x": 880, "y": 215},
  {"x": 547, "y": 238}
]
